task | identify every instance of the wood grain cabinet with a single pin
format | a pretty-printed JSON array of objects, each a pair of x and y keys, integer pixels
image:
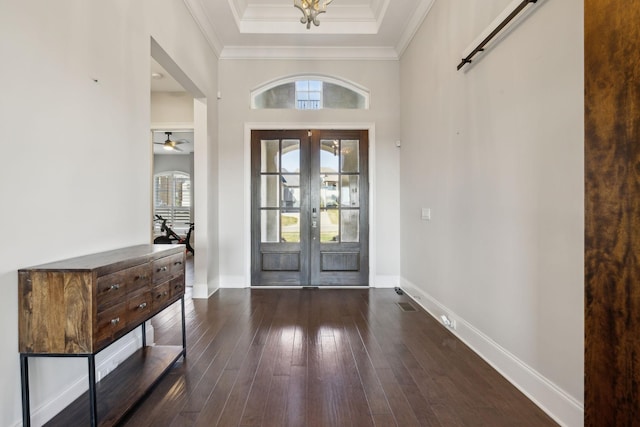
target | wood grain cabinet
[{"x": 79, "y": 306}]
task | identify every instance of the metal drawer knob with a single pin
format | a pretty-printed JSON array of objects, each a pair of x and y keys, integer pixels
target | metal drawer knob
[
  {"x": 177, "y": 263},
  {"x": 162, "y": 268},
  {"x": 142, "y": 306},
  {"x": 115, "y": 287},
  {"x": 115, "y": 321}
]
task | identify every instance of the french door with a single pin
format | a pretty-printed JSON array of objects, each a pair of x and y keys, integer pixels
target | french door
[{"x": 309, "y": 208}]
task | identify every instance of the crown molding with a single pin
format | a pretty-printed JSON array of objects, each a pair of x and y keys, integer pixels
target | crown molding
[
  {"x": 414, "y": 24},
  {"x": 202, "y": 19},
  {"x": 310, "y": 52}
]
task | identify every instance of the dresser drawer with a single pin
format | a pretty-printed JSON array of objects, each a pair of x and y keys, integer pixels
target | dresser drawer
[
  {"x": 112, "y": 288},
  {"x": 139, "y": 307},
  {"x": 167, "y": 267},
  {"x": 109, "y": 322},
  {"x": 161, "y": 295},
  {"x": 177, "y": 287}
]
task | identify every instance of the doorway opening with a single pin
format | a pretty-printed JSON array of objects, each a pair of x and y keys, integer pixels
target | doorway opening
[
  {"x": 309, "y": 208},
  {"x": 179, "y": 113}
]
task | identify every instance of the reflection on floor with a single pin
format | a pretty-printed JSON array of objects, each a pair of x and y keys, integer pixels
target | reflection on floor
[{"x": 323, "y": 358}]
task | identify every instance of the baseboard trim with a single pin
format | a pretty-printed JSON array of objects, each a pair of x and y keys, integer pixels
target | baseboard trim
[{"x": 557, "y": 403}]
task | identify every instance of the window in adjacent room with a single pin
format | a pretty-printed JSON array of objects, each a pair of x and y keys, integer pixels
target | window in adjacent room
[{"x": 172, "y": 199}]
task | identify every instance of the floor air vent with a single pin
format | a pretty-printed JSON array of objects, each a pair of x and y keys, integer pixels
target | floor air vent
[{"x": 405, "y": 306}]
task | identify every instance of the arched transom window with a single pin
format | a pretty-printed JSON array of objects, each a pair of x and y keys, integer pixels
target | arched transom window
[{"x": 310, "y": 93}]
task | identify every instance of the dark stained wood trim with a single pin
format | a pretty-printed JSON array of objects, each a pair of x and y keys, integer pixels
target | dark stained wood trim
[{"x": 612, "y": 213}]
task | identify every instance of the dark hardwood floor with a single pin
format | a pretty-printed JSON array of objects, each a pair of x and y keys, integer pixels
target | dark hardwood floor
[{"x": 324, "y": 358}]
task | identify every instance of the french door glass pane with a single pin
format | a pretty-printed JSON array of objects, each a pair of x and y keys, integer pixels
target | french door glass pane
[
  {"x": 329, "y": 195},
  {"x": 329, "y": 159},
  {"x": 269, "y": 225},
  {"x": 269, "y": 191},
  {"x": 329, "y": 225},
  {"x": 350, "y": 156},
  {"x": 349, "y": 195},
  {"x": 290, "y": 191},
  {"x": 290, "y": 227},
  {"x": 290, "y": 156},
  {"x": 269, "y": 156},
  {"x": 350, "y": 225}
]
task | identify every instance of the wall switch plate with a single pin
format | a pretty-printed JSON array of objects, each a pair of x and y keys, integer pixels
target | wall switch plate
[{"x": 426, "y": 214}]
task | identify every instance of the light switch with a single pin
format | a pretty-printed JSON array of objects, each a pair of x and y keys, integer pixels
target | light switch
[{"x": 426, "y": 214}]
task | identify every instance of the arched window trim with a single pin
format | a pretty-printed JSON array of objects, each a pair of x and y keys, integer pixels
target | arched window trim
[{"x": 360, "y": 90}]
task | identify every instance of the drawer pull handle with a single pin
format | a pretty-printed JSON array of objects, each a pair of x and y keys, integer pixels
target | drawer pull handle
[
  {"x": 142, "y": 306},
  {"x": 162, "y": 269},
  {"x": 177, "y": 263},
  {"x": 114, "y": 287},
  {"x": 141, "y": 277},
  {"x": 115, "y": 321},
  {"x": 165, "y": 293}
]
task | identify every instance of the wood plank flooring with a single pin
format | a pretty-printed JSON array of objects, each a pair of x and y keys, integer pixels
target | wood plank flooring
[{"x": 324, "y": 358}]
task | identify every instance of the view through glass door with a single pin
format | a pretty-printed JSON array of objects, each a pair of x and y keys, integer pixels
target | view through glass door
[{"x": 309, "y": 215}]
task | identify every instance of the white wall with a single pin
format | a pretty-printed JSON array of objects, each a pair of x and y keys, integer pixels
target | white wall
[
  {"x": 171, "y": 107},
  {"x": 237, "y": 79},
  {"x": 59, "y": 190},
  {"x": 496, "y": 151}
]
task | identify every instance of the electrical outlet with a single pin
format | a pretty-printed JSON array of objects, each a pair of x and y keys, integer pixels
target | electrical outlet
[{"x": 449, "y": 323}]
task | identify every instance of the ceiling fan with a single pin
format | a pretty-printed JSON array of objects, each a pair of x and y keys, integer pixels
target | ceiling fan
[{"x": 170, "y": 145}]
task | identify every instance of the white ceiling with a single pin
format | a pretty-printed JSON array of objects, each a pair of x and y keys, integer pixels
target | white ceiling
[{"x": 350, "y": 29}]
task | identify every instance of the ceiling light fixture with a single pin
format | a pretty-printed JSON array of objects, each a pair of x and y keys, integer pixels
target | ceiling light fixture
[{"x": 311, "y": 9}]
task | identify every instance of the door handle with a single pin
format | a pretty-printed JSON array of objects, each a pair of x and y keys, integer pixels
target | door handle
[{"x": 314, "y": 224}]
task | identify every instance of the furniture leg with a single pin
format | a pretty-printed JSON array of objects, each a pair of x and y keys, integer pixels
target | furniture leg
[{"x": 24, "y": 374}]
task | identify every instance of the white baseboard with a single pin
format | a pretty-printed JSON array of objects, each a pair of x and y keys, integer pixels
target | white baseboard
[
  {"x": 239, "y": 282},
  {"x": 106, "y": 361},
  {"x": 558, "y": 404}
]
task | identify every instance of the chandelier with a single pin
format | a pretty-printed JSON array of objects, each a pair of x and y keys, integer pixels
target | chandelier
[{"x": 311, "y": 9}]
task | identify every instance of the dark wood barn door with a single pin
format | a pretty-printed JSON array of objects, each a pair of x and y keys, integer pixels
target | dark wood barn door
[{"x": 309, "y": 215}]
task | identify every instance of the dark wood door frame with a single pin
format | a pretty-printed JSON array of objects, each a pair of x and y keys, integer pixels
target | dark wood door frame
[
  {"x": 316, "y": 257},
  {"x": 612, "y": 213}
]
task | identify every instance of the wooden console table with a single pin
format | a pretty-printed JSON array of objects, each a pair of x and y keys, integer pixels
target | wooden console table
[{"x": 78, "y": 307}]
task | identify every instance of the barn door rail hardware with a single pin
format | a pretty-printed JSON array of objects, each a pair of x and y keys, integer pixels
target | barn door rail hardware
[{"x": 511, "y": 12}]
